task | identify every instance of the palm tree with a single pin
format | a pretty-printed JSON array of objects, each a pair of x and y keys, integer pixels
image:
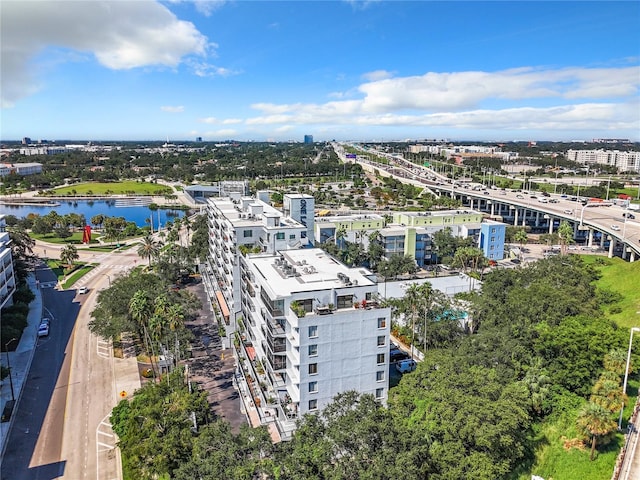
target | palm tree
[
  {"x": 595, "y": 421},
  {"x": 140, "y": 311},
  {"x": 565, "y": 232},
  {"x": 521, "y": 237},
  {"x": 615, "y": 361},
  {"x": 149, "y": 248},
  {"x": 607, "y": 392},
  {"x": 69, "y": 254}
]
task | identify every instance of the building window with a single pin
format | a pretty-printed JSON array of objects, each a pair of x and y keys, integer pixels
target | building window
[
  {"x": 493, "y": 239},
  {"x": 344, "y": 301},
  {"x": 380, "y": 376},
  {"x": 313, "y": 350},
  {"x": 280, "y": 236},
  {"x": 313, "y": 331},
  {"x": 247, "y": 233},
  {"x": 381, "y": 340},
  {"x": 382, "y": 322},
  {"x": 292, "y": 236},
  {"x": 313, "y": 387},
  {"x": 313, "y": 404},
  {"x": 493, "y": 230},
  {"x": 379, "y": 393},
  {"x": 380, "y": 358},
  {"x": 313, "y": 368}
]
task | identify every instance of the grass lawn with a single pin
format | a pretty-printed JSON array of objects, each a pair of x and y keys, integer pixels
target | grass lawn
[
  {"x": 624, "y": 278},
  {"x": 115, "y": 188},
  {"x": 554, "y": 460},
  {"x": 75, "y": 238},
  {"x": 77, "y": 275}
]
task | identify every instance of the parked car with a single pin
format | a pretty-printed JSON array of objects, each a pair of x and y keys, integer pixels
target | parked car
[
  {"x": 397, "y": 355},
  {"x": 406, "y": 366},
  {"x": 45, "y": 321},
  {"x": 615, "y": 228},
  {"x": 43, "y": 330},
  {"x": 83, "y": 290}
]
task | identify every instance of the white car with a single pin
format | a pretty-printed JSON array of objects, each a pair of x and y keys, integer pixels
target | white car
[
  {"x": 43, "y": 330},
  {"x": 568, "y": 212},
  {"x": 615, "y": 228},
  {"x": 83, "y": 290}
]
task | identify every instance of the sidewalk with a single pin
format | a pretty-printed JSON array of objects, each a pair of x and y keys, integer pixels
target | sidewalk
[{"x": 20, "y": 361}]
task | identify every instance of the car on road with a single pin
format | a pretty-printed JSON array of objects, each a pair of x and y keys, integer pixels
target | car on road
[
  {"x": 406, "y": 366},
  {"x": 628, "y": 215},
  {"x": 519, "y": 196},
  {"x": 502, "y": 192},
  {"x": 615, "y": 228},
  {"x": 45, "y": 321},
  {"x": 568, "y": 212},
  {"x": 43, "y": 330},
  {"x": 554, "y": 200},
  {"x": 83, "y": 290},
  {"x": 485, "y": 193}
]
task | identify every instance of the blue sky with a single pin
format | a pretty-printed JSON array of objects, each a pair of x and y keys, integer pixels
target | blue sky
[{"x": 346, "y": 70}]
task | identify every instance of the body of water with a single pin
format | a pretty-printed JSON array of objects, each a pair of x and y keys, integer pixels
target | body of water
[{"x": 88, "y": 208}]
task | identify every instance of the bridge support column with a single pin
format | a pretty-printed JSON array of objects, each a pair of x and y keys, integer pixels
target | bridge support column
[
  {"x": 601, "y": 240},
  {"x": 612, "y": 244},
  {"x": 471, "y": 203},
  {"x": 515, "y": 218},
  {"x": 632, "y": 257},
  {"x": 590, "y": 238},
  {"x": 493, "y": 209},
  {"x": 550, "y": 224},
  {"x": 537, "y": 220},
  {"x": 524, "y": 217}
]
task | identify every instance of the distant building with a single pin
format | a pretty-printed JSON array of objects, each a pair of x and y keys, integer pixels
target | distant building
[
  {"x": 623, "y": 161},
  {"x": 200, "y": 193},
  {"x": 198, "y": 139},
  {"x": 491, "y": 240},
  {"x": 308, "y": 139},
  {"x": 20, "y": 169},
  {"x": 26, "y": 140}
]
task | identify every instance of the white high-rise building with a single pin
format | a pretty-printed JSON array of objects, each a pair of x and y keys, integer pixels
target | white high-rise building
[
  {"x": 7, "y": 275},
  {"x": 311, "y": 328},
  {"x": 243, "y": 222}
]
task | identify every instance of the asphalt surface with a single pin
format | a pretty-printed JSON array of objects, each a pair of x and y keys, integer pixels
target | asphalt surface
[{"x": 34, "y": 445}]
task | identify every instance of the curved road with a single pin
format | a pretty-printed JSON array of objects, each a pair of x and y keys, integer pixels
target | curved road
[{"x": 61, "y": 429}]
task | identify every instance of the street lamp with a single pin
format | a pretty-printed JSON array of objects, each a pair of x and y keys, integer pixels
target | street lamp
[
  {"x": 6, "y": 347},
  {"x": 626, "y": 373}
]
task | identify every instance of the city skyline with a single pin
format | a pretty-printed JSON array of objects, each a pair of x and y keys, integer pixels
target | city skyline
[{"x": 276, "y": 71}]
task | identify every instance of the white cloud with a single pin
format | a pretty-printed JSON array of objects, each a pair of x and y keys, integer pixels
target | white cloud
[
  {"x": 120, "y": 34},
  {"x": 206, "y": 7},
  {"x": 204, "y": 69},
  {"x": 377, "y": 75},
  {"x": 523, "y": 98},
  {"x": 169, "y": 109},
  {"x": 217, "y": 121}
]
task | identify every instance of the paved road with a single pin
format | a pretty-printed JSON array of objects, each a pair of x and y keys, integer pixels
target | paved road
[{"x": 62, "y": 426}]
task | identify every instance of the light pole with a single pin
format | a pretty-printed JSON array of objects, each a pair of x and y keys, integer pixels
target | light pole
[
  {"x": 626, "y": 373},
  {"x": 6, "y": 347}
]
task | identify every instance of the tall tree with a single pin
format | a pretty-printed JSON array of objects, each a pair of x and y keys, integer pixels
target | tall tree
[
  {"x": 149, "y": 248},
  {"x": 69, "y": 254},
  {"x": 595, "y": 421}
]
